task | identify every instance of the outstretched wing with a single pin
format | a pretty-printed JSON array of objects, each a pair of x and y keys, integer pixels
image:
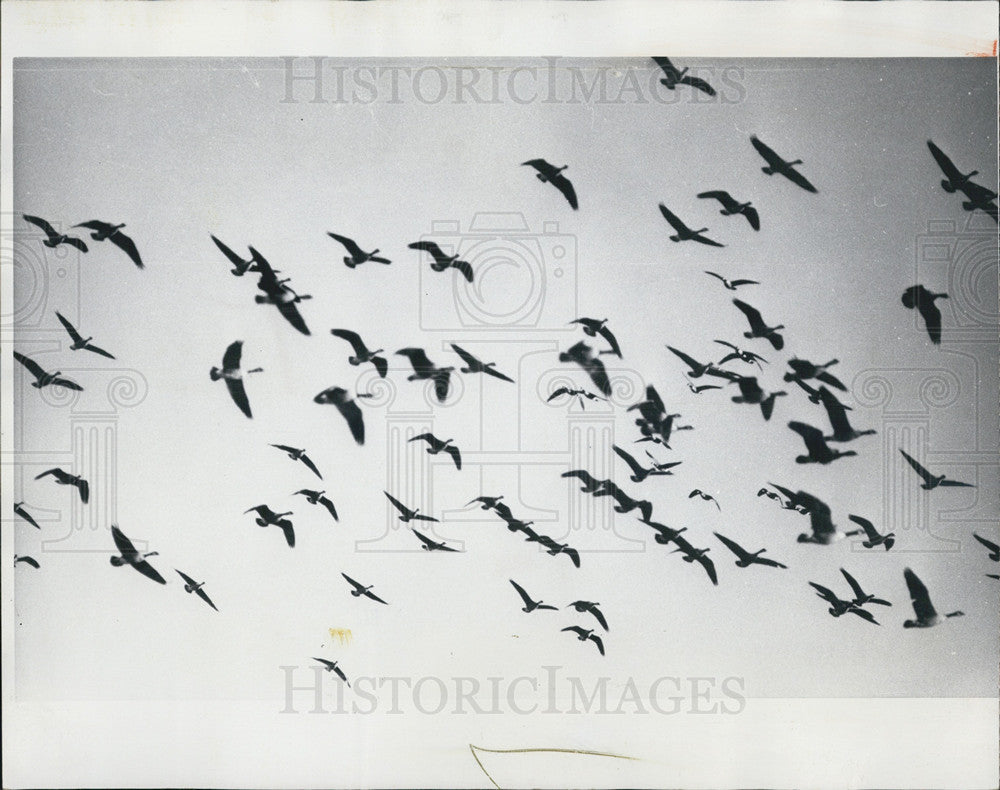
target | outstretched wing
[
  {"x": 836, "y": 411},
  {"x": 753, "y": 315},
  {"x": 349, "y": 244},
  {"x": 470, "y": 360},
  {"x": 291, "y": 313},
  {"x": 673, "y": 219},
  {"x": 77, "y": 337},
  {"x": 123, "y": 543},
  {"x": 456, "y": 455},
  {"x": 149, "y": 572},
  {"x": 442, "y": 381},
  {"x": 858, "y": 592},
  {"x": 308, "y": 462},
  {"x": 917, "y": 467},
  {"x": 733, "y": 546},
  {"x": 374, "y": 597},
  {"x": 632, "y": 463},
  {"x": 866, "y": 525},
  {"x": 352, "y": 582},
  {"x": 328, "y": 504},
  {"x": 932, "y": 318},
  {"x": 381, "y": 366},
  {"x": 597, "y": 641},
  {"x": 709, "y": 567},
  {"x": 691, "y": 362},
  {"x": 521, "y": 591},
  {"x": 353, "y": 338},
  {"x": 944, "y": 162},
  {"x": 668, "y": 68},
  {"x": 289, "y": 531},
  {"x": 828, "y": 378},
  {"x": 41, "y": 223},
  {"x": 231, "y": 359},
  {"x": 919, "y": 596},
  {"x": 351, "y": 412},
  {"x": 430, "y": 247},
  {"x": 608, "y": 335},
  {"x": 798, "y": 179},
  {"x": 736, "y": 283},
  {"x": 239, "y": 395},
  {"x": 723, "y": 197},
  {"x": 825, "y": 593},
  {"x": 27, "y": 517},
  {"x": 541, "y": 166},
  {"x": 186, "y": 578},
  {"x": 33, "y": 367},
  {"x": 767, "y": 152},
  {"x": 126, "y": 245},
  {"x": 754, "y": 219},
  {"x": 698, "y": 83},
  {"x": 565, "y": 186},
  {"x": 813, "y": 437},
  {"x": 490, "y": 371},
  {"x": 989, "y": 544},
  {"x": 234, "y": 259},
  {"x": 464, "y": 267},
  {"x": 716, "y": 276},
  {"x": 418, "y": 358},
  {"x": 424, "y": 539},
  {"x": 397, "y": 504},
  {"x": 28, "y": 561}
]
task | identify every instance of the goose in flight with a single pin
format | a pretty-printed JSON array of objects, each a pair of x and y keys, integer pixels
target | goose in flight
[
  {"x": 818, "y": 451},
  {"x": 672, "y": 77},
  {"x": 932, "y": 481},
  {"x": 357, "y": 255},
  {"x": 751, "y": 392},
  {"x": 775, "y": 164},
  {"x": 361, "y": 352},
  {"x": 319, "y": 498},
  {"x": 639, "y": 472},
  {"x": 554, "y": 548},
  {"x": 474, "y": 365},
  {"x": 927, "y": 615},
  {"x": 837, "y": 413},
  {"x": 813, "y": 393},
  {"x": 583, "y": 355},
  {"x": 731, "y": 206},
  {"x": 348, "y": 408},
  {"x": 296, "y": 454},
  {"x": 954, "y": 179},
  {"x": 44, "y": 379},
  {"x": 547, "y": 173},
  {"x": 705, "y": 497},
  {"x": 66, "y": 479},
  {"x": 738, "y": 353},
  {"x": 233, "y": 376},
  {"x": 105, "y": 231},
  {"x": 431, "y": 545},
  {"x": 268, "y": 518},
  {"x": 79, "y": 342},
  {"x": 584, "y": 634},
  {"x": 435, "y": 446},
  {"x": 54, "y": 238},
  {"x": 990, "y": 546},
  {"x": 789, "y": 504},
  {"x": 423, "y": 368},
  {"x": 486, "y": 502},
  {"x": 578, "y": 394},
  {"x": 873, "y": 537},
  {"x": 860, "y": 596},
  {"x": 333, "y": 666},
  {"x": 18, "y": 558},
  {"x": 405, "y": 513},
  {"x": 191, "y": 586},
  {"x": 360, "y": 589},
  {"x": 654, "y": 419},
  {"x": 747, "y": 558},
  {"x": 441, "y": 261},
  {"x": 285, "y": 299},
  {"x": 625, "y": 503},
  {"x": 130, "y": 556},
  {"x": 803, "y": 369},
  {"x": 979, "y": 197},
  {"x": 691, "y": 554},
  {"x": 589, "y": 606},
  {"x": 731, "y": 285},
  {"x": 590, "y": 483},
  {"x": 916, "y": 296},
  {"x": 530, "y": 605},
  {"x": 240, "y": 266},
  {"x": 823, "y": 531},
  {"x": 593, "y": 327},
  {"x": 700, "y": 388},
  {"x": 683, "y": 232},
  {"x": 698, "y": 369},
  {"x": 839, "y": 607},
  {"x": 20, "y": 511},
  {"x": 664, "y": 534},
  {"x": 758, "y": 329}
]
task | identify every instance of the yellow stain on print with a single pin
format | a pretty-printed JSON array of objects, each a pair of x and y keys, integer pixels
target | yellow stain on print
[{"x": 342, "y": 635}]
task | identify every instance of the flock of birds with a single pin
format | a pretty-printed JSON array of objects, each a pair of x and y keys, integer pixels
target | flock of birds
[{"x": 656, "y": 424}]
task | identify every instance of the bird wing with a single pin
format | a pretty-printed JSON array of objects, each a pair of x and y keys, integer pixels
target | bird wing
[
  {"x": 565, "y": 186},
  {"x": 722, "y": 196},
  {"x": 825, "y": 592},
  {"x": 59, "y": 381},
  {"x": 397, "y": 504},
  {"x": 836, "y": 412},
  {"x": 866, "y": 525},
  {"x": 231, "y": 359},
  {"x": 691, "y": 362},
  {"x": 932, "y": 317},
  {"x": 521, "y": 591},
  {"x": 709, "y": 567},
  {"x": 126, "y": 245},
  {"x": 185, "y": 577},
  {"x": 464, "y": 267},
  {"x": 813, "y": 437},
  {"x": 352, "y": 582},
  {"x": 541, "y": 166},
  {"x": 633, "y": 464},
  {"x": 422, "y": 517},
  {"x": 599, "y": 615},
  {"x": 349, "y": 244},
  {"x": 374, "y": 597},
  {"x": 733, "y": 546},
  {"x": 353, "y": 338},
  {"x": 289, "y": 530},
  {"x": 917, "y": 467},
  {"x": 456, "y": 455},
  {"x": 668, "y": 68},
  {"x": 351, "y": 412},
  {"x": 698, "y": 83},
  {"x": 123, "y": 543},
  {"x": 293, "y": 316},
  {"x": 754, "y": 219},
  {"x": 769, "y": 562},
  {"x": 575, "y": 629},
  {"x": 608, "y": 335},
  {"x": 858, "y": 592},
  {"x": 239, "y": 395},
  {"x": 921, "y": 599},
  {"x": 498, "y": 375},
  {"x": 767, "y": 152},
  {"x": 744, "y": 282},
  {"x": 798, "y": 179},
  {"x": 286, "y": 448},
  {"x": 573, "y": 554},
  {"x": 430, "y": 438},
  {"x": 828, "y": 378},
  {"x": 753, "y": 315},
  {"x": 442, "y": 379},
  {"x": 29, "y": 561},
  {"x": 470, "y": 360},
  {"x": 418, "y": 358},
  {"x": 863, "y": 614},
  {"x": 723, "y": 343},
  {"x": 33, "y": 367},
  {"x": 597, "y": 641},
  {"x": 324, "y": 662},
  {"x": 328, "y": 504},
  {"x": 41, "y": 223},
  {"x": 27, "y": 517},
  {"x": 77, "y": 337},
  {"x": 429, "y": 246},
  {"x": 200, "y": 592},
  {"x": 989, "y": 544},
  {"x": 149, "y": 571},
  {"x": 381, "y": 366},
  {"x": 98, "y": 350},
  {"x": 717, "y": 276},
  {"x": 673, "y": 219},
  {"x": 944, "y": 162},
  {"x": 94, "y": 224},
  {"x": 955, "y": 483},
  {"x": 705, "y": 240},
  {"x": 84, "y": 488},
  {"x": 308, "y": 462},
  {"x": 424, "y": 539},
  {"x": 234, "y": 259}
]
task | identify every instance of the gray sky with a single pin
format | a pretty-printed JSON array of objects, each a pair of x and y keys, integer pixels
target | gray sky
[{"x": 182, "y": 149}]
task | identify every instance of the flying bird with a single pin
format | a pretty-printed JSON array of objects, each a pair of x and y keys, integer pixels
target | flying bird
[
  {"x": 664, "y": 534},
  {"x": 79, "y": 342},
  {"x": 477, "y": 366},
  {"x": 837, "y": 413},
  {"x": 348, "y": 408},
  {"x": 758, "y": 329},
  {"x": 553, "y": 548},
  {"x": 589, "y": 606},
  {"x": 731, "y": 206},
  {"x": 979, "y": 197},
  {"x": 105, "y": 231},
  {"x": 268, "y": 518},
  {"x": 818, "y": 451},
  {"x": 55, "y": 238},
  {"x": 672, "y": 77},
  {"x": 285, "y": 299},
  {"x": 990, "y": 546},
  {"x": 486, "y": 502},
  {"x": 593, "y": 327},
  {"x": 233, "y": 376},
  {"x": 431, "y": 545},
  {"x": 332, "y": 666},
  {"x": 706, "y": 497},
  {"x": 191, "y": 586},
  {"x": 583, "y": 355},
  {"x": 360, "y": 589},
  {"x": 639, "y": 472},
  {"x": 423, "y": 368},
  {"x": 699, "y": 369},
  {"x": 435, "y": 446},
  {"x": 319, "y": 498},
  {"x": 553, "y": 175},
  {"x": 66, "y": 479},
  {"x": 747, "y": 558},
  {"x": 530, "y": 605},
  {"x": 130, "y": 556},
  {"x": 803, "y": 369},
  {"x": 357, "y": 255},
  {"x": 578, "y": 394},
  {"x": 442, "y": 261},
  {"x": 823, "y": 531},
  {"x": 584, "y": 634},
  {"x": 44, "y": 379},
  {"x": 916, "y": 296},
  {"x": 736, "y": 352},
  {"x": 927, "y": 615},
  {"x": 20, "y": 511},
  {"x": 683, "y": 232},
  {"x": 405, "y": 513},
  {"x": 26, "y": 560},
  {"x": 751, "y": 392},
  {"x": 954, "y": 178},
  {"x": 860, "y": 596},
  {"x": 838, "y": 606},
  {"x": 361, "y": 352},
  {"x": 873, "y": 537},
  {"x": 298, "y": 455},
  {"x": 932, "y": 481},
  {"x": 775, "y": 164},
  {"x": 731, "y": 285},
  {"x": 691, "y": 554},
  {"x": 697, "y": 390},
  {"x": 240, "y": 265},
  {"x": 590, "y": 483},
  {"x": 625, "y": 503}
]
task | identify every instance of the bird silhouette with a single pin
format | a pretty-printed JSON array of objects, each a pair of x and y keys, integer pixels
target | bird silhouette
[
  {"x": 736, "y": 352},
  {"x": 405, "y": 513},
  {"x": 578, "y": 394},
  {"x": 954, "y": 178},
  {"x": 20, "y": 511},
  {"x": 705, "y": 497},
  {"x": 775, "y": 164},
  {"x": 333, "y": 666},
  {"x": 590, "y": 483},
  {"x": 860, "y": 596},
  {"x": 240, "y": 265},
  {"x": 932, "y": 481},
  {"x": 442, "y": 261},
  {"x": 361, "y": 352},
  {"x": 758, "y": 329},
  {"x": 731, "y": 285},
  {"x": 664, "y": 534},
  {"x": 27, "y": 560},
  {"x": 423, "y": 368},
  {"x": 672, "y": 77},
  {"x": 818, "y": 451},
  {"x": 435, "y": 446},
  {"x": 691, "y": 554},
  {"x": 43, "y": 378},
  {"x": 698, "y": 369},
  {"x": 731, "y": 206},
  {"x": 554, "y": 548},
  {"x": 105, "y": 231},
  {"x": 872, "y": 536},
  {"x": 916, "y": 296},
  {"x": 230, "y": 372},
  {"x": 700, "y": 388},
  {"x": 840, "y": 607},
  {"x": 593, "y": 327},
  {"x": 66, "y": 479},
  {"x": 803, "y": 369},
  {"x": 583, "y": 355},
  {"x": 550, "y": 174},
  {"x": 474, "y": 365},
  {"x": 268, "y": 518},
  {"x": 927, "y": 615},
  {"x": 625, "y": 503},
  {"x": 747, "y": 558},
  {"x": 584, "y": 634},
  {"x": 283, "y": 297},
  {"x": 486, "y": 502},
  {"x": 79, "y": 341},
  {"x": 589, "y": 606},
  {"x": 431, "y": 545},
  {"x": 319, "y": 498},
  {"x": 128, "y": 555},
  {"x": 360, "y": 589},
  {"x": 639, "y": 472},
  {"x": 530, "y": 605},
  {"x": 296, "y": 454},
  {"x": 357, "y": 255},
  {"x": 191, "y": 586},
  {"x": 990, "y": 546},
  {"x": 837, "y": 413},
  {"x": 348, "y": 408},
  {"x": 683, "y": 233},
  {"x": 751, "y": 392},
  {"x": 53, "y": 237}
]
